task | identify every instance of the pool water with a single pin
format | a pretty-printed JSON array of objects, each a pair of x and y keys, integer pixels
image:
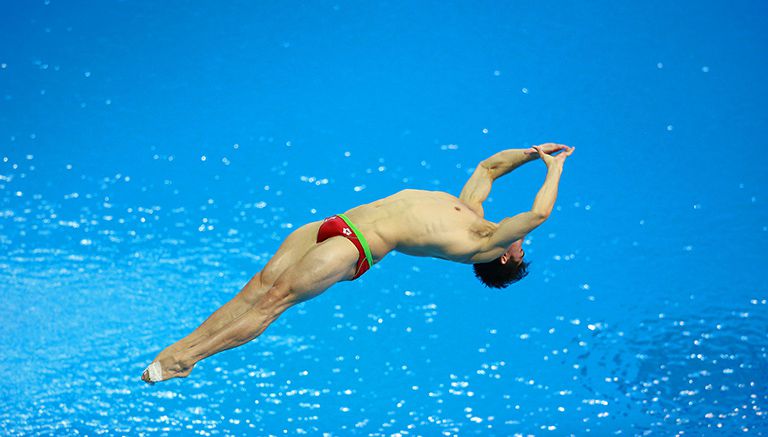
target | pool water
[{"x": 153, "y": 156}]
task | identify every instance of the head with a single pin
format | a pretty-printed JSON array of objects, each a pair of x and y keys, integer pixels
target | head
[{"x": 504, "y": 270}]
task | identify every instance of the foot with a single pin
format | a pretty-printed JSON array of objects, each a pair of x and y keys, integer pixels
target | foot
[{"x": 165, "y": 368}]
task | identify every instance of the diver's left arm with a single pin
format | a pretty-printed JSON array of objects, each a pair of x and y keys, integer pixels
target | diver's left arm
[{"x": 478, "y": 187}]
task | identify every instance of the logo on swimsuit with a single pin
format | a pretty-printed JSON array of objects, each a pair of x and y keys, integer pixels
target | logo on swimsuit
[{"x": 347, "y": 231}]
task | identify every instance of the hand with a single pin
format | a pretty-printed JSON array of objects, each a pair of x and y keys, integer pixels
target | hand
[
  {"x": 548, "y": 148},
  {"x": 549, "y": 159}
]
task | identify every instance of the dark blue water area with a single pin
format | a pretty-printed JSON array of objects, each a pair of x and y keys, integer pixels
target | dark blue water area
[{"x": 153, "y": 156}]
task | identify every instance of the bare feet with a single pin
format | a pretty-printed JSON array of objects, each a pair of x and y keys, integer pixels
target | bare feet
[{"x": 166, "y": 367}]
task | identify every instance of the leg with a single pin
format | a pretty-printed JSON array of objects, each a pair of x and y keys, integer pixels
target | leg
[
  {"x": 239, "y": 304},
  {"x": 325, "y": 264},
  {"x": 290, "y": 252}
]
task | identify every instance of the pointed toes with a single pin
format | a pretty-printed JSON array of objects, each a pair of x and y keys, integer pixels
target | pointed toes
[{"x": 152, "y": 374}]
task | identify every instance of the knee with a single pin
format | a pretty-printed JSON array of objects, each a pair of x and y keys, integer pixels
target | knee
[
  {"x": 257, "y": 281},
  {"x": 279, "y": 295},
  {"x": 268, "y": 275},
  {"x": 253, "y": 290}
]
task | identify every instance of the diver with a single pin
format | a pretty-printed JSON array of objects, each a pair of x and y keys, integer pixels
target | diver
[{"x": 344, "y": 246}]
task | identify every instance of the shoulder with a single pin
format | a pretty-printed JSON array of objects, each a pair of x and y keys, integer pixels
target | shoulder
[{"x": 475, "y": 207}]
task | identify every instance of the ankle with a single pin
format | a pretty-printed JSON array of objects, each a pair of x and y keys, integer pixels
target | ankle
[{"x": 184, "y": 360}]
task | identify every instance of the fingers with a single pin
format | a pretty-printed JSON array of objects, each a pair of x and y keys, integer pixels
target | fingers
[
  {"x": 548, "y": 147},
  {"x": 567, "y": 152},
  {"x": 552, "y": 148}
]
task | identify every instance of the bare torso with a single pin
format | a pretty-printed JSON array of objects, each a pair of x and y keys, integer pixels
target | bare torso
[{"x": 422, "y": 223}]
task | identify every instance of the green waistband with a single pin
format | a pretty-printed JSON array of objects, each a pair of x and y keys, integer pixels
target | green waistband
[{"x": 361, "y": 238}]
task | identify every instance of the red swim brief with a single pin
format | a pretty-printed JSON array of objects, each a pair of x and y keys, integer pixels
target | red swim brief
[{"x": 339, "y": 225}]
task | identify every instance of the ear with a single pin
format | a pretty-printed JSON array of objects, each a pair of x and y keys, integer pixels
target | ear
[{"x": 504, "y": 258}]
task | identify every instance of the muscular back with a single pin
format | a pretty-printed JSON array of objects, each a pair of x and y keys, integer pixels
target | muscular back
[{"x": 423, "y": 223}]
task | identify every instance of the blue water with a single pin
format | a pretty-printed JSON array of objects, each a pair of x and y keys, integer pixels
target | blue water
[{"x": 153, "y": 155}]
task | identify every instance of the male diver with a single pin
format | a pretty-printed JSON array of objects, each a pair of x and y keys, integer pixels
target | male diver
[{"x": 344, "y": 246}]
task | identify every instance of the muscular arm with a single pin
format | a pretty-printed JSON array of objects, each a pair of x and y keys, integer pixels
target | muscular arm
[
  {"x": 508, "y": 160},
  {"x": 516, "y": 227},
  {"x": 478, "y": 186}
]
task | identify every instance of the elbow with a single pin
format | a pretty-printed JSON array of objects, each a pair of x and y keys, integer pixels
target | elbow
[
  {"x": 540, "y": 216},
  {"x": 487, "y": 167}
]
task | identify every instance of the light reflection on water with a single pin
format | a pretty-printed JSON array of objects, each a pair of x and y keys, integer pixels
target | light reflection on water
[
  {"x": 83, "y": 318},
  {"x": 142, "y": 183}
]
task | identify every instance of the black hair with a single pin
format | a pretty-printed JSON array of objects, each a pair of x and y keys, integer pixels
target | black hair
[{"x": 494, "y": 274}]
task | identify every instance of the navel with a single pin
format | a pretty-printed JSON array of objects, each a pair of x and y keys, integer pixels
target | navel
[{"x": 457, "y": 208}]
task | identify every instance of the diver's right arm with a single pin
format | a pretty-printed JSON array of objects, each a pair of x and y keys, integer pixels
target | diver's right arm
[{"x": 545, "y": 198}]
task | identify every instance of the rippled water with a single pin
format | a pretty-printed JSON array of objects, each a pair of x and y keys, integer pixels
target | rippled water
[
  {"x": 153, "y": 158},
  {"x": 415, "y": 346}
]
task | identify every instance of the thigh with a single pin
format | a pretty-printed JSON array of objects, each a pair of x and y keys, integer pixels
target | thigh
[
  {"x": 334, "y": 260},
  {"x": 290, "y": 252}
]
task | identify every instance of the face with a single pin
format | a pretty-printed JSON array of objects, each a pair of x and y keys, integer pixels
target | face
[{"x": 515, "y": 253}]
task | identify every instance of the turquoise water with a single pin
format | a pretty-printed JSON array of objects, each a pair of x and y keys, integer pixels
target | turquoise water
[{"x": 153, "y": 157}]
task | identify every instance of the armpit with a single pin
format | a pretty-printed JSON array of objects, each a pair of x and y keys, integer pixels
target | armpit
[{"x": 483, "y": 229}]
